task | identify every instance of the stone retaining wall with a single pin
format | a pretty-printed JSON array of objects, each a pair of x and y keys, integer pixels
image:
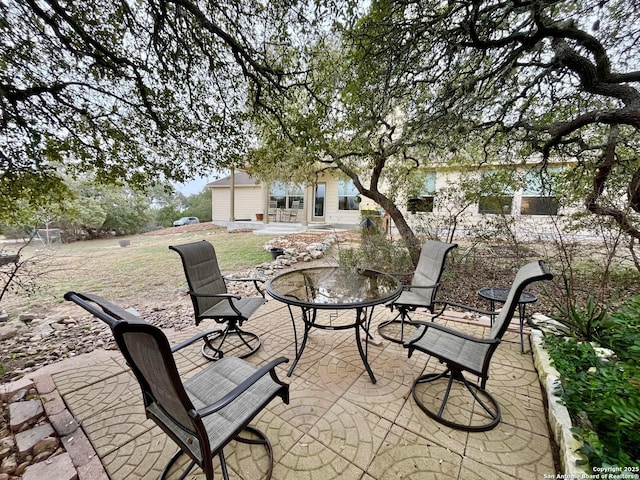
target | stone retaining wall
[{"x": 559, "y": 419}]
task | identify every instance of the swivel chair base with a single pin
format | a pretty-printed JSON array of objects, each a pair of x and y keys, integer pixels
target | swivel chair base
[
  {"x": 245, "y": 345},
  {"x": 480, "y": 395},
  {"x": 394, "y": 329},
  {"x": 261, "y": 440}
]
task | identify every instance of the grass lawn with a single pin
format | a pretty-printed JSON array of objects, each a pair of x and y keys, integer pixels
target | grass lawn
[{"x": 146, "y": 266}]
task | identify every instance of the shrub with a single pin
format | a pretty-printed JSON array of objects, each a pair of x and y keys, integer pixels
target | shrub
[
  {"x": 588, "y": 323},
  {"x": 378, "y": 252},
  {"x": 623, "y": 334},
  {"x": 603, "y": 399}
]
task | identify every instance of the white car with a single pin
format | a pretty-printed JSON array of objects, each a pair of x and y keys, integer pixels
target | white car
[{"x": 185, "y": 221}]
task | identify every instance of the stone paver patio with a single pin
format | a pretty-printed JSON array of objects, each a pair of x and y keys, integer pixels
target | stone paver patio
[{"x": 338, "y": 424}]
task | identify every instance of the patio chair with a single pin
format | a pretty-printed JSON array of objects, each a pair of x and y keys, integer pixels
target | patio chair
[
  {"x": 463, "y": 352},
  {"x": 291, "y": 215},
  {"x": 205, "y": 412},
  {"x": 211, "y": 300},
  {"x": 420, "y": 293}
]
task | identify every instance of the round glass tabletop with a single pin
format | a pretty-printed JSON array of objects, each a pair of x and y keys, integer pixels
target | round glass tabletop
[{"x": 334, "y": 287}]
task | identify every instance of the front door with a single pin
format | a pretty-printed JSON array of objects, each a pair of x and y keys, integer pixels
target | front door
[{"x": 318, "y": 202}]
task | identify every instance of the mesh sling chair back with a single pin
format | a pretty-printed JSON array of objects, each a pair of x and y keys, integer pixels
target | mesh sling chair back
[
  {"x": 461, "y": 352},
  {"x": 205, "y": 412},
  {"x": 211, "y": 300},
  {"x": 421, "y": 292}
]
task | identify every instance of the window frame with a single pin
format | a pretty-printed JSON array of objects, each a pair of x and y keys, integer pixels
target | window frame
[
  {"x": 284, "y": 194},
  {"x": 424, "y": 203},
  {"x": 347, "y": 196},
  {"x": 495, "y": 205},
  {"x": 538, "y": 197}
]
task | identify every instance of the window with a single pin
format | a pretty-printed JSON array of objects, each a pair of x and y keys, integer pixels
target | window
[
  {"x": 495, "y": 204},
  {"x": 537, "y": 194},
  {"x": 284, "y": 194},
  {"x": 499, "y": 196},
  {"x": 295, "y": 193},
  {"x": 424, "y": 202},
  {"x": 347, "y": 194}
]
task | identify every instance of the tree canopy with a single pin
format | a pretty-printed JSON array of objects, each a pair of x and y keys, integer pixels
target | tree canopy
[
  {"x": 417, "y": 84},
  {"x": 163, "y": 89},
  {"x": 131, "y": 91}
]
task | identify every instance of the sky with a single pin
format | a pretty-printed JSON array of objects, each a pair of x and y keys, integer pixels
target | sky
[{"x": 197, "y": 185}]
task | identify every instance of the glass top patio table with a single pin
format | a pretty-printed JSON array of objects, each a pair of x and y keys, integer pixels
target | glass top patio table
[{"x": 335, "y": 288}]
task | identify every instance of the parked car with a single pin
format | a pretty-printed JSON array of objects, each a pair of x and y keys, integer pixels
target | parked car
[{"x": 185, "y": 221}]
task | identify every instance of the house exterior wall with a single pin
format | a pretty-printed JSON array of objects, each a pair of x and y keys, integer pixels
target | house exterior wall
[
  {"x": 531, "y": 227},
  {"x": 250, "y": 199},
  {"x": 333, "y": 214},
  {"x": 248, "y": 202}
]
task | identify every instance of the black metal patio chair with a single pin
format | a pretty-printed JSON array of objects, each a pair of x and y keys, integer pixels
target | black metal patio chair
[
  {"x": 462, "y": 352},
  {"x": 205, "y": 412},
  {"x": 420, "y": 293},
  {"x": 211, "y": 300}
]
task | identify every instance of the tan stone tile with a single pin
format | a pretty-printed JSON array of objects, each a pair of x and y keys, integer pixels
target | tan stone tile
[
  {"x": 308, "y": 403},
  {"x": 309, "y": 459},
  {"x": 189, "y": 359},
  {"x": 510, "y": 354},
  {"x": 472, "y": 470},
  {"x": 384, "y": 398},
  {"x": 522, "y": 411},
  {"x": 246, "y": 460},
  {"x": 338, "y": 370},
  {"x": 84, "y": 403},
  {"x": 143, "y": 457},
  {"x": 392, "y": 365},
  {"x": 460, "y": 403},
  {"x": 412, "y": 418},
  {"x": 309, "y": 359},
  {"x": 517, "y": 452},
  {"x": 119, "y": 424},
  {"x": 407, "y": 455},
  {"x": 513, "y": 380},
  {"x": 352, "y": 432},
  {"x": 82, "y": 376},
  {"x": 282, "y": 435}
]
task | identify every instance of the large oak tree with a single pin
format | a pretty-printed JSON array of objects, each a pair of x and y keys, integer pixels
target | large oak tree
[
  {"x": 417, "y": 83},
  {"x": 132, "y": 91}
]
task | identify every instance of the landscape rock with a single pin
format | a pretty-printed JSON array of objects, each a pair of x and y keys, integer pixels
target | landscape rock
[
  {"x": 26, "y": 317},
  {"x": 9, "y": 465},
  {"x": 11, "y": 329},
  {"x": 60, "y": 467},
  {"x": 24, "y": 414},
  {"x": 35, "y": 440}
]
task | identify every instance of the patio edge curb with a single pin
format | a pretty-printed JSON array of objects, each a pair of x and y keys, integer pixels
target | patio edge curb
[
  {"x": 558, "y": 415},
  {"x": 76, "y": 443}
]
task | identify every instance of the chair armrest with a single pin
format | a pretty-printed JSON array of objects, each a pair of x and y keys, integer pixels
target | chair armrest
[
  {"x": 189, "y": 341},
  {"x": 254, "y": 280},
  {"x": 450, "y": 331},
  {"x": 236, "y": 392},
  {"x": 233, "y": 279},
  {"x": 213, "y": 295}
]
